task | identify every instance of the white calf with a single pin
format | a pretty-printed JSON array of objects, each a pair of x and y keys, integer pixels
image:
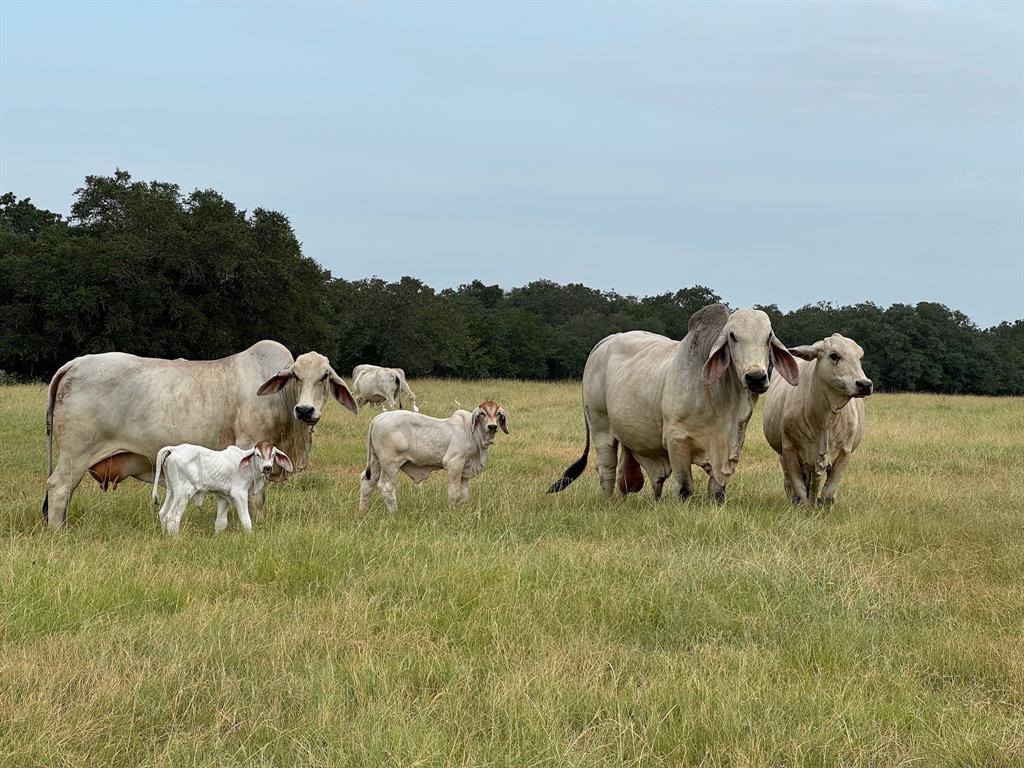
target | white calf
[
  {"x": 419, "y": 445},
  {"x": 191, "y": 472}
]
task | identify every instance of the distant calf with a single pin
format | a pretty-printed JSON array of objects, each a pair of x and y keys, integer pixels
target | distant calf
[
  {"x": 374, "y": 385},
  {"x": 816, "y": 425},
  {"x": 420, "y": 445},
  {"x": 191, "y": 472}
]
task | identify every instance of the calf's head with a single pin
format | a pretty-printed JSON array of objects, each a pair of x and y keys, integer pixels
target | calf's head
[
  {"x": 748, "y": 345},
  {"x": 487, "y": 418},
  {"x": 314, "y": 379},
  {"x": 264, "y": 456},
  {"x": 838, "y": 365}
]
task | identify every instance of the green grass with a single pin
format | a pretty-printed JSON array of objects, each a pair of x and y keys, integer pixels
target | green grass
[{"x": 523, "y": 629}]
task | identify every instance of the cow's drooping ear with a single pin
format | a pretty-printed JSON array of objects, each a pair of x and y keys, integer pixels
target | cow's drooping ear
[
  {"x": 784, "y": 362},
  {"x": 503, "y": 420},
  {"x": 247, "y": 459},
  {"x": 276, "y": 383},
  {"x": 718, "y": 361},
  {"x": 281, "y": 458},
  {"x": 478, "y": 413},
  {"x": 340, "y": 391},
  {"x": 806, "y": 352}
]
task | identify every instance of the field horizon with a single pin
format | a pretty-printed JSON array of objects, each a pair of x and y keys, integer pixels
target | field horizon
[{"x": 528, "y": 629}]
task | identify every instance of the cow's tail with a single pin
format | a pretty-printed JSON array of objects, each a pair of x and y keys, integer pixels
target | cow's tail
[
  {"x": 51, "y": 399},
  {"x": 160, "y": 456},
  {"x": 369, "y": 452},
  {"x": 398, "y": 390},
  {"x": 581, "y": 463}
]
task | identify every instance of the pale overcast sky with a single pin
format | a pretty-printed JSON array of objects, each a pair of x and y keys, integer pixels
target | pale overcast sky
[{"x": 784, "y": 153}]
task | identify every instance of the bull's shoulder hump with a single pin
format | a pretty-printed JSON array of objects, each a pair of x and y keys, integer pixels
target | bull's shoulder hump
[
  {"x": 628, "y": 339},
  {"x": 633, "y": 342},
  {"x": 267, "y": 348},
  {"x": 712, "y": 317}
]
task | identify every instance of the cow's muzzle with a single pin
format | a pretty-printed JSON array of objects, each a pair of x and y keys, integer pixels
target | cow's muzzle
[
  {"x": 306, "y": 414},
  {"x": 756, "y": 381}
]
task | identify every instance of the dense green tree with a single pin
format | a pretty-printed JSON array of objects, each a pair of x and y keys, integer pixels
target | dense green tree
[{"x": 140, "y": 267}]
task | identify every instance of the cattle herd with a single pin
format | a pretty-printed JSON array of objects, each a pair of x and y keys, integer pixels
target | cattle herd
[{"x": 651, "y": 406}]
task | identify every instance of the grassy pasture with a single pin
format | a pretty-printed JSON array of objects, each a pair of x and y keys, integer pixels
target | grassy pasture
[{"x": 522, "y": 629}]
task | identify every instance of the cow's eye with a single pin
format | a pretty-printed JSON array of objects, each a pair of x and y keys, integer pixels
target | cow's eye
[
  {"x": 732, "y": 335},
  {"x": 834, "y": 357}
]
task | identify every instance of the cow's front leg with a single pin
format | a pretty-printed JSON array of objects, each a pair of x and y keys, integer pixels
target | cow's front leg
[
  {"x": 464, "y": 490},
  {"x": 454, "y": 469},
  {"x": 835, "y": 474},
  {"x": 241, "y": 501},
  {"x": 716, "y": 490},
  {"x": 786, "y": 483},
  {"x": 679, "y": 459},
  {"x": 794, "y": 474}
]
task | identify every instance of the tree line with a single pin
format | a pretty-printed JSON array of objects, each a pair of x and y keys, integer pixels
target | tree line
[{"x": 143, "y": 268}]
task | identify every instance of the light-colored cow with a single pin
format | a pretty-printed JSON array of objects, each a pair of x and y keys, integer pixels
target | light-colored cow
[
  {"x": 192, "y": 472},
  {"x": 374, "y": 385},
  {"x": 110, "y": 413},
  {"x": 419, "y": 445},
  {"x": 671, "y": 404},
  {"x": 815, "y": 426}
]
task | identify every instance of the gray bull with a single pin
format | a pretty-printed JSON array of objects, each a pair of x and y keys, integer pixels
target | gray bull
[
  {"x": 111, "y": 413},
  {"x": 672, "y": 404}
]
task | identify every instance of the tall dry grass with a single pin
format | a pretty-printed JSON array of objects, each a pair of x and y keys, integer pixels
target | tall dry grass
[{"x": 524, "y": 629}]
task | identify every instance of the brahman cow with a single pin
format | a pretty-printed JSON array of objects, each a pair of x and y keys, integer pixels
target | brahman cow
[
  {"x": 374, "y": 385},
  {"x": 110, "y": 413},
  {"x": 419, "y": 445},
  {"x": 670, "y": 404},
  {"x": 815, "y": 426}
]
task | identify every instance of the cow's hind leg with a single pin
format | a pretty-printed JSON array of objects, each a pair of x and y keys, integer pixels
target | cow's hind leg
[
  {"x": 387, "y": 483},
  {"x": 367, "y": 480},
  {"x": 176, "y": 512},
  {"x": 166, "y": 507},
  {"x": 60, "y": 485},
  {"x": 658, "y": 471}
]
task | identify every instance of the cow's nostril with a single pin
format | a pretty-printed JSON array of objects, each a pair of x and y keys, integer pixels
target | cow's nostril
[{"x": 756, "y": 377}]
